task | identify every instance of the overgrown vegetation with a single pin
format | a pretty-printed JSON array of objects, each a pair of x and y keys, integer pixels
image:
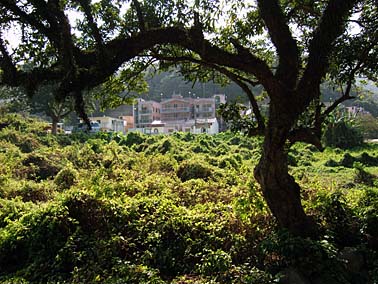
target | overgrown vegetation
[{"x": 109, "y": 208}]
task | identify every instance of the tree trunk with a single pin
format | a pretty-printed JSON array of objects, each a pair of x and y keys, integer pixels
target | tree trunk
[
  {"x": 280, "y": 190},
  {"x": 54, "y": 127}
]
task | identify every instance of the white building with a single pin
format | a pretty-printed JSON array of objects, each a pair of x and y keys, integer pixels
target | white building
[{"x": 108, "y": 123}]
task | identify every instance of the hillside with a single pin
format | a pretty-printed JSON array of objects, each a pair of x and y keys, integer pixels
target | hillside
[
  {"x": 175, "y": 209},
  {"x": 162, "y": 85}
]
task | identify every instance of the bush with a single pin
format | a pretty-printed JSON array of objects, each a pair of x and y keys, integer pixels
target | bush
[
  {"x": 194, "y": 169},
  {"x": 368, "y": 160},
  {"x": 214, "y": 262},
  {"x": 31, "y": 191},
  {"x": 163, "y": 164},
  {"x": 368, "y": 210},
  {"x": 27, "y": 142},
  {"x": 66, "y": 178},
  {"x": 229, "y": 162},
  {"x": 362, "y": 176},
  {"x": 342, "y": 135},
  {"x": 348, "y": 160},
  {"x": 132, "y": 138},
  {"x": 341, "y": 222},
  {"x": 37, "y": 167},
  {"x": 331, "y": 163}
]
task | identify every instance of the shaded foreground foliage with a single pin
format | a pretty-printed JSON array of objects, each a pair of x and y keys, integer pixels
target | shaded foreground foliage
[{"x": 173, "y": 209}]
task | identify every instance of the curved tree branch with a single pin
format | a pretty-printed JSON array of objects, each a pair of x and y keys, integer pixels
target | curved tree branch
[
  {"x": 286, "y": 46},
  {"x": 330, "y": 27},
  {"x": 85, "y": 4},
  {"x": 6, "y": 63},
  {"x": 32, "y": 20},
  {"x": 138, "y": 8},
  {"x": 239, "y": 80},
  {"x": 306, "y": 135}
]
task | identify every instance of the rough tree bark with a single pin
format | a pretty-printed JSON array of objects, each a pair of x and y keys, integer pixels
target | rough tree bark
[
  {"x": 279, "y": 188},
  {"x": 54, "y": 127}
]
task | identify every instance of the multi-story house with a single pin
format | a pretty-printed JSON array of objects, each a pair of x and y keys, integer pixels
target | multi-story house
[
  {"x": 203, "y": 108},
  {"x": 145, "y": 112},
  {"x": 178, "y": 114},
  {"x": 176, "y": 109}
]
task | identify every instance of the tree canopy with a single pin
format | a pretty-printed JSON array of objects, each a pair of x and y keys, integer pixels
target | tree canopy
[{"x": 288, "y": 47}]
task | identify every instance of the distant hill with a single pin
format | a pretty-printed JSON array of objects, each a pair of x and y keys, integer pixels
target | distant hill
[
  {"x": 373, "y": 89},
  {"x": 164, "y": 84}
]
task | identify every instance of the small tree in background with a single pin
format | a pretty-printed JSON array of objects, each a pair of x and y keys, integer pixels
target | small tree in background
[
  {"x": 342, "y": 131},
  {"x": 368, "y": 126}
]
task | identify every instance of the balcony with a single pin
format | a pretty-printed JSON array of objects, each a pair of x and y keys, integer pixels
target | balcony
[
  {"x": 175, "y": 110},
  {"x": 145, "y": 111},
  {"x": 204, "y": 109}
]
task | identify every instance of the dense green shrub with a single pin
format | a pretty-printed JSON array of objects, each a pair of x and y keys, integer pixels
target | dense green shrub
[
  {"x": 184, "y": 208},
  {"x": 362, "y": 176},
  {"x": 342, "y": 135},
  {"x": 368, "y": 210},
  {"x": 311, "y": 259},
  {"x": 30, "y": 191},
  {"x": 230, "y": 162},
  {"x": 193, "y": 169},
  {"x": 26, "y": 142},
  {"x": 66, "y": 178},
  {"x": 341, "y": 221},
  {"x": 132, "y": 138},
  {"x": 368, "y": 160},
  {"x": 348, "y": 160},
  {"x": 13, "y": 209},
  {"x": 38, "y": 167}
]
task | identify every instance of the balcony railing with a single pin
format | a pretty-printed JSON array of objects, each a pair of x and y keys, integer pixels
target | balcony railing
[
  {"x": 207, "y": 109},
  {"x": 175, "y": 110}
]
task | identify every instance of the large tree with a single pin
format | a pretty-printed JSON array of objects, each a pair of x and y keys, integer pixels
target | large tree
[{"x": 287, "y": 46}]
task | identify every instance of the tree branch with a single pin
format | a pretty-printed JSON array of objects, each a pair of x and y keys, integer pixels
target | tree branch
[
  {"x": 306, "y": 135},
  {"x": 142, "y": 23},
  {"x": 286, "y": 46},
  {"x": 239, "y": 80},
  {"x": 346, "y": 94},
  {"x": 85, "y": 4},
  {"x": 331, "y": 26},
  {"x": 6, "y": 64},
  {"x": 31, "y": 20}
]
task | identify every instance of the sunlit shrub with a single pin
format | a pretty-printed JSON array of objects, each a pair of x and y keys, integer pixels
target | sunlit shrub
[
  {"x": 193, "y": 169},
  {"x": 38, "y": 167},
  {"x": 367, "y": 209},
  {"x": 27, "y": 142},
  {"x": 229, "y": 162},
  {"x": 13, "y": 209},
  {"x": 342, "y": 135},
  {"x": 132, "y": 138},
  {"x": 30, "y": 191},
  {"x": 362, "y": 176},
  {"x": 163, "y": 164},
  {"x": 66, "y": 178},
  {"x": 214, "y": 262}
]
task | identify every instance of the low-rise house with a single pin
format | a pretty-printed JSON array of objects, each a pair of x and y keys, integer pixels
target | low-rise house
[
  {"x": 204, "y": 125},
  {"x": 108, "y": 123}
]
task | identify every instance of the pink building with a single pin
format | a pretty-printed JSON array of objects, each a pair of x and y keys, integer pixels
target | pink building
[{"x": 178, "y": 114}]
